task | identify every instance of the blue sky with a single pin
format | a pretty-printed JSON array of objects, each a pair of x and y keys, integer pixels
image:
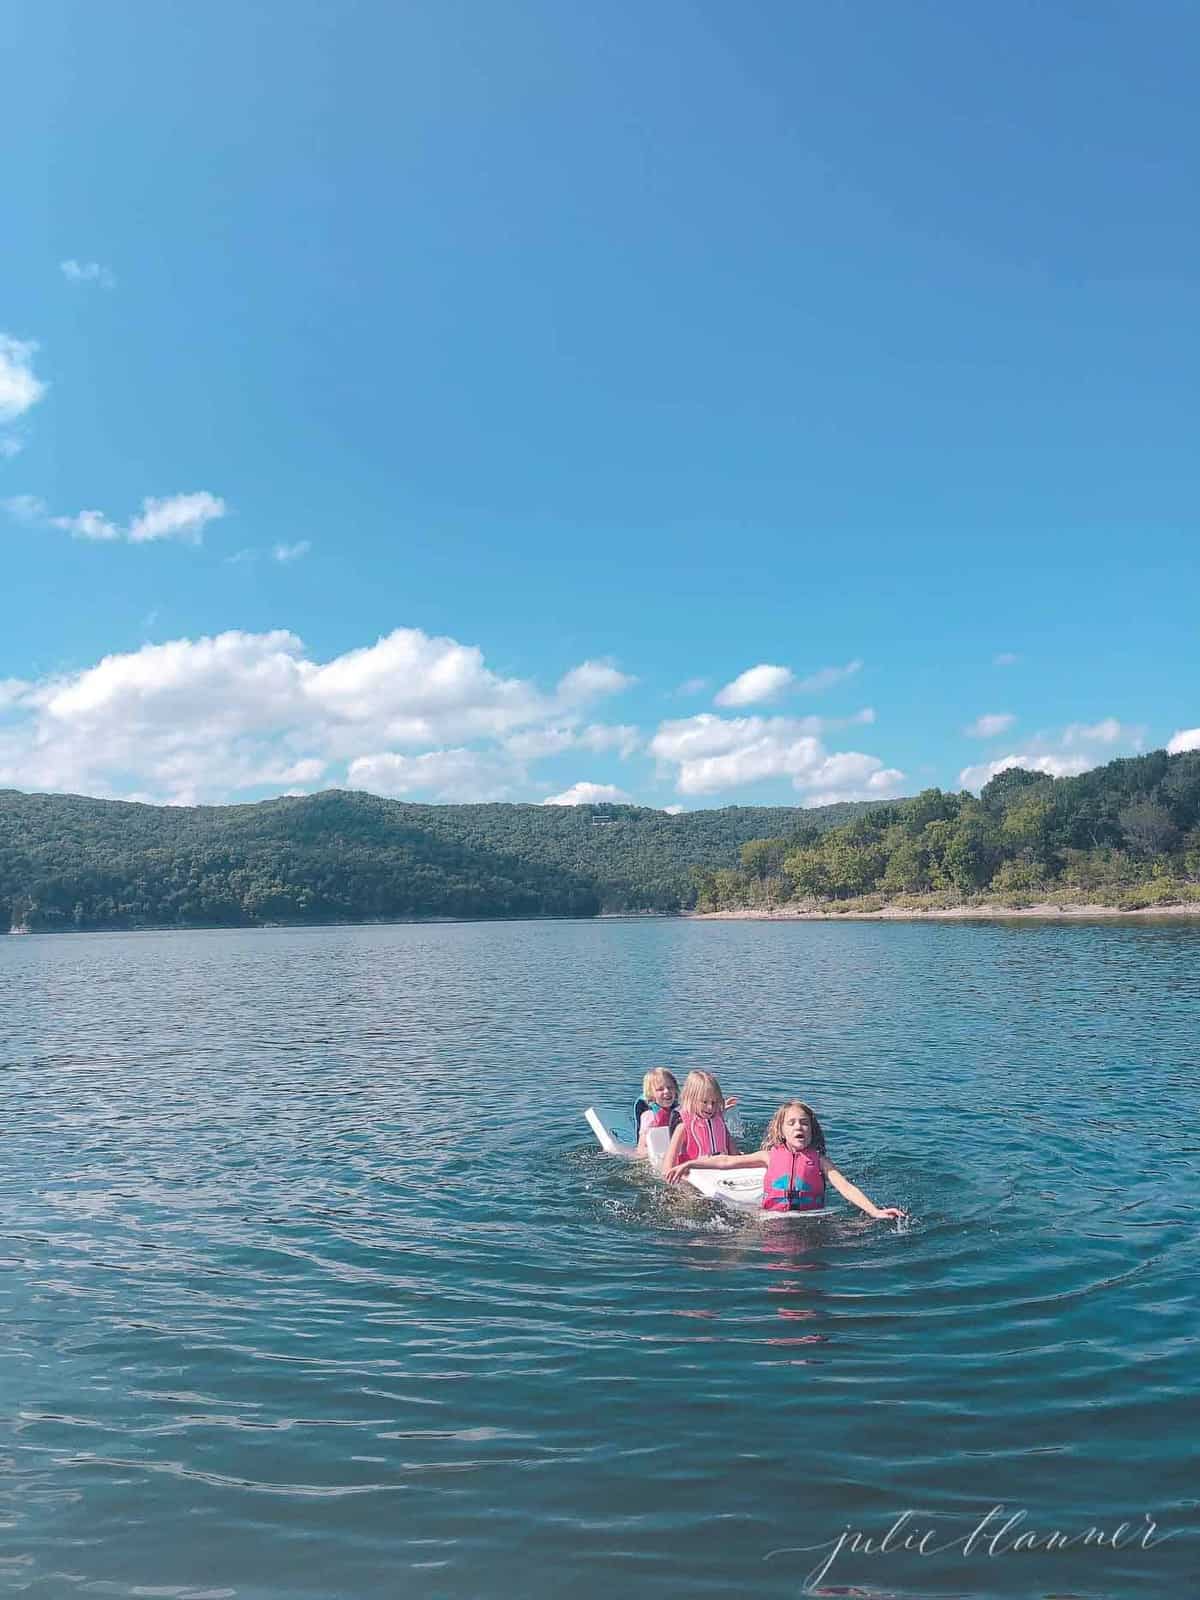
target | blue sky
[{"x": 693, "y": 403}]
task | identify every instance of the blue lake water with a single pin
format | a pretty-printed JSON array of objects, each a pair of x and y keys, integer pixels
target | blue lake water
[{"x": 314, "y": 1283}]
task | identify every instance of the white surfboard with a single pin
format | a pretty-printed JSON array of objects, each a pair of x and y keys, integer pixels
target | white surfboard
[{"x": 741, "y": 1188}]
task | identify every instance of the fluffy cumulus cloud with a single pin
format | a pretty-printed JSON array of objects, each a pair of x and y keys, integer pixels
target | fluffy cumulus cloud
[
  {"x": 990, "y": 725},
  {"x": 755, "y": 686},
  {"x": 711, "y": 753},
  {"x": 20, "y": 388},
  {"x": 587, "y": 794},
  {"x": 180, "y": 516},
  {"x": 1185, "y": 739},
  {"x": 463, "y": 775},
  {"x": 1077, "y": 748},
  {"x": 592, "y": 680},
  {"x": 203, "y": 719},
  {"x": 1054, "y": 766},
  {"x": 555, "y": 738}
]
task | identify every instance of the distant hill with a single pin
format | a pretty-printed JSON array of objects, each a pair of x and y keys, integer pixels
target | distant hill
[{"x": 67, "y": 861}]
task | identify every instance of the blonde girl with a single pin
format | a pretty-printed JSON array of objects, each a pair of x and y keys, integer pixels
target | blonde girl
[
  {"x": 795, "y": 1166},
  {"x": 701, "y": 1131},
  {"x": 658, "y": 1106}
]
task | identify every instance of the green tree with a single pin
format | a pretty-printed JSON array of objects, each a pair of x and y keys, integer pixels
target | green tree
[
  {"x": 907, "y": 870},
  {"x": 807, "y": 872}
]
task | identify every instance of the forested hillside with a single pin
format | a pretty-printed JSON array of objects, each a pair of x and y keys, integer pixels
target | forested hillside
[
  {"x": 71, "y": 862},
  {"x": 1126, "y": 834}
]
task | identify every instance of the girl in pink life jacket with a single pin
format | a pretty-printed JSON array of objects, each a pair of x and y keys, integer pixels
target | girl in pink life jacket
[
  {"x": 795, "y": 1166},
  {"x": 701, "y": 1130},
  {"x": 658, "y": 1106}
]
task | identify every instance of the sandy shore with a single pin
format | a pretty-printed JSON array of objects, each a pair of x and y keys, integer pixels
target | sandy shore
[{"x": 1044, "y": 911}]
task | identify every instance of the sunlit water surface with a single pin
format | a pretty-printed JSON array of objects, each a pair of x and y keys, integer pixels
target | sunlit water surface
[{"x": 314, "y": 1283}]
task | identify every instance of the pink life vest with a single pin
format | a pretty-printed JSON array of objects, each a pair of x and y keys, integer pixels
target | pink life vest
[
  {"x": 662, "y": 1116},
  {"x": 703, "y": 1136},
  {"x": 793, "y": 1182}
]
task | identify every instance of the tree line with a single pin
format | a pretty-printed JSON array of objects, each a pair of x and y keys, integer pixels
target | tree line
[
  {"x": 1127, "y": 833},
  {"x": 70, "y": 862}
]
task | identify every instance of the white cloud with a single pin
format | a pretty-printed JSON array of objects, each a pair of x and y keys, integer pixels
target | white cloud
[
  {"x": 591, "y": 680},
  {"x": 755, "y": 686},
  {"x": 462, "y": 775},
  {"x": 1185, "y": 739},
  {"x": 10, "y": 446},
  {"x": 854, "y": 777},
  {"x": 1054, "y": 766},
  {"x": 818, "y": 682},
  {"x": 530, "y": 744},
  {"x": 291, "y": 552},
  {"x": 87, "y": 525},
  {"x": 88, "y": 272},
  {"x": 13, "y": 691},
  {"x": 1078, "y": 748},
  {"x": 180, "y": 516},
  {"x": 20, "y": 388},
  {"x": 714, "y": 753},
  {"x": 25, "y": 508},
  {"x": 1006, "y": 658},
  {"x": 620, "y": 737},
  {"x": 692, "y": 686},
  {"x": 203, "y": 719},
  {"x": 420, "y": 690},
  {"x": 1109, "y": 731},
  {"x": 990, "y": 724},
  {"x": 587, "y": 794},
  {"x": 675, "y": 811}
]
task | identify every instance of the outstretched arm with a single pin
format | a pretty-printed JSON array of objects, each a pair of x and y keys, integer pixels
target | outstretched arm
[
  {"x": 855, "y": 1195},
  {"x": 755, "y": 1158}
]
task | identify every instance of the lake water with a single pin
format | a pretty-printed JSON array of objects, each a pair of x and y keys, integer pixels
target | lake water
[{"x": 314, "y": 1283}]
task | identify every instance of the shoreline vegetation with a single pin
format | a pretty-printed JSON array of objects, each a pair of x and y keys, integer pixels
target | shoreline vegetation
[
  {"x": 911, "y": 909},
  {"x": 1121, "y": 839}
]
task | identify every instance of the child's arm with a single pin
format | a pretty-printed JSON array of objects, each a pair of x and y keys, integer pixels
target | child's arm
[
  {"x": 673, "y": 1149},
  {"x": 755, "y": 1158},
  {"x": 855, "y": 1195}
]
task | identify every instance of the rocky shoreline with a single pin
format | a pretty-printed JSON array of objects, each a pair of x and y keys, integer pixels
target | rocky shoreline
[{"x": 1042, "y": 911}]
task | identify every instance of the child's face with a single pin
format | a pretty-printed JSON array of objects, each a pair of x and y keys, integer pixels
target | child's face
[
  {"x": 663, "y": 1090},
  {"x": 797, "y": 1129},
  {"x": 708, "y": 1105}
]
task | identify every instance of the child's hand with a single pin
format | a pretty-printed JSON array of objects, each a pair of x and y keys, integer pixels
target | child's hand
[
  {"x": 677, "y": 1174},
  {"x": 880, "y": 1213},
  {"x": 731, "y": 1102}
]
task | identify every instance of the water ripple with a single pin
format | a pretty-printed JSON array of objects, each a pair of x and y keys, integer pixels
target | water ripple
[{"x": 314, "y": 1284}]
